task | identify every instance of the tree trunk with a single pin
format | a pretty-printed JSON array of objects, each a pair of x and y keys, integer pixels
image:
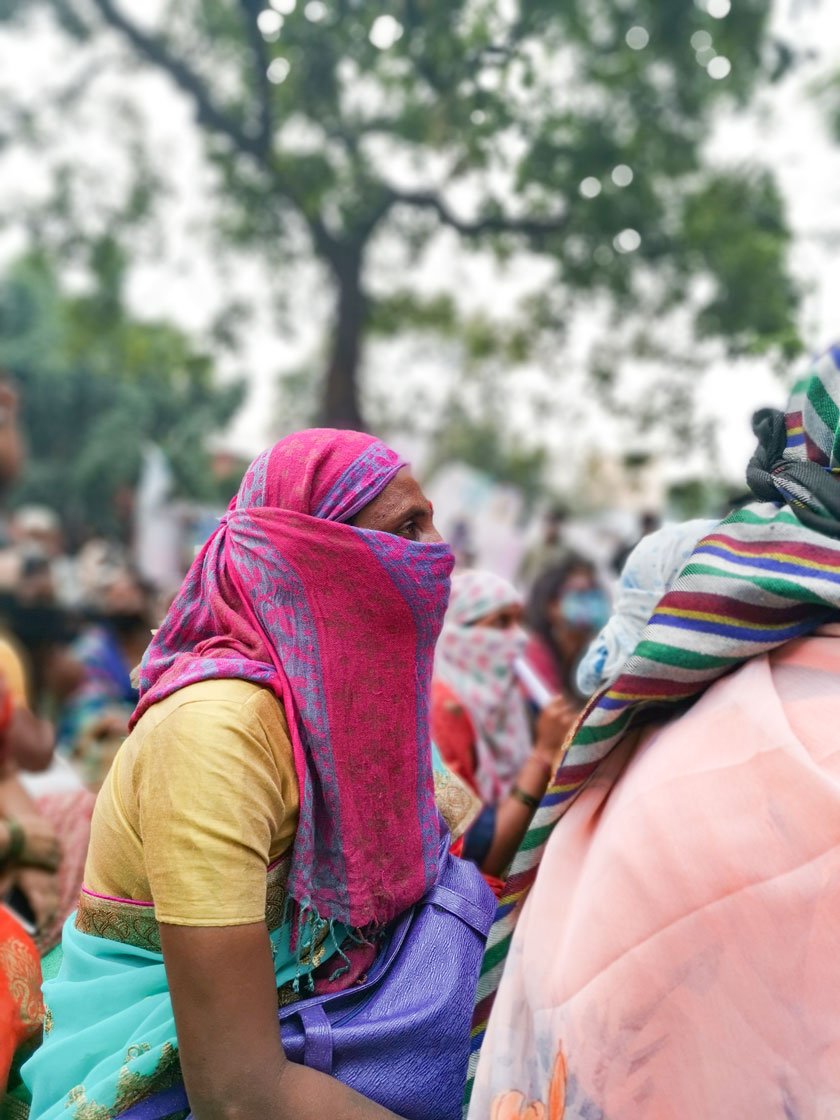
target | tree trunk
[{"x": 340, "y": 405}]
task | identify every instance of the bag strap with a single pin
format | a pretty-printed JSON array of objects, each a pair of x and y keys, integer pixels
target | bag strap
[
  {"x": 318, "y": 1044},
  {"x": 454, "y": 903}
]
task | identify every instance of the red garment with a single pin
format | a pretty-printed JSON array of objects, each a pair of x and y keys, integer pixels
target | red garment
[
  {"x": 454, "y": 736},
  {"x": 540, "y": 657},
  {"x": 453, "y": 733},
  {"x": 21, "y": 1006},
  {"x": 496, "y": 885}
]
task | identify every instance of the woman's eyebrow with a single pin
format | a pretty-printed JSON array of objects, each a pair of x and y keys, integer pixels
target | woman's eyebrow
[{"x": 418, "y": 510}]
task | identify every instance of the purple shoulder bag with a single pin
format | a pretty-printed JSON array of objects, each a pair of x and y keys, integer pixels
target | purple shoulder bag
[{"x": 400, "y": 1038}]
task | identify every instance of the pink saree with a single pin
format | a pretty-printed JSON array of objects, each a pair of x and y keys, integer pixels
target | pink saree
[{"x": 677, "y": 957}]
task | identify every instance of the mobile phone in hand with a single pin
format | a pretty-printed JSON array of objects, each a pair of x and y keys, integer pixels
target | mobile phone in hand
[{"x": 19, "y": 907}]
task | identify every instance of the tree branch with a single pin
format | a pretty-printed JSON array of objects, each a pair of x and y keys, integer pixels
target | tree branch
[
  {"x": 250, "y": 10},
  {"x": 155, "y": 50},
  {"x": 535, "y": 228}
]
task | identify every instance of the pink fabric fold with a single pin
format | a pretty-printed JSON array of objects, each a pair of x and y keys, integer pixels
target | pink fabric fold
[{"x": 677, "y": 955}]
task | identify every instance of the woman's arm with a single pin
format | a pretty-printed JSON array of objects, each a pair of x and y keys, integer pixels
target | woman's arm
[
  {"x": 34, "y": 869},
  {"x": 30, "y": 740},
  {"x": 513, "y": 814},
  {"x": 225, "y": 1004},
  {"x": 41, "y": 847}
]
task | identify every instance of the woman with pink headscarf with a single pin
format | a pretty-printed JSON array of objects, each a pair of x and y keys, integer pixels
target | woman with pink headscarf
[{"x": 278, "y": 773}]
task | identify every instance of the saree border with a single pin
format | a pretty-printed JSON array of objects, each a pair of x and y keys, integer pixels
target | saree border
[{"x": 132, "y": 922}]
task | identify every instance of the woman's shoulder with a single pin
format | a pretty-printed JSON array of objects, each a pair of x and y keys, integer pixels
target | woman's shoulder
[
  {"x": 224, "y": 724},
  {"x": 229, "y": 718},
  {"x": 214, "y": 699}
]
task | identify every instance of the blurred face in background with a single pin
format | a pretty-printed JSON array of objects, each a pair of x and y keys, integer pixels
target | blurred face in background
[
  {"x": 506, "y": 618},
  {"x": 126, "y": 604},
  {"x": 124, "y": 595},
  {"x": 553, "y": 527},
  {"x": 36, "y": 531},
  {"x": 578, "y": 612}
]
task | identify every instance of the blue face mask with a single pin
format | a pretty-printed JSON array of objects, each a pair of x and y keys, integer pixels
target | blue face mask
[{"x": 585, "y": 610}]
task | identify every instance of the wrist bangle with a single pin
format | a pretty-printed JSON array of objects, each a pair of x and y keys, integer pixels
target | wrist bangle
[
  {"x": 533, "y": 803},
  {"x": 17, "y": 841}
]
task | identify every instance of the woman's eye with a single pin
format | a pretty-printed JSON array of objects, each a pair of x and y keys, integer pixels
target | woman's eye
[{"x": 409, "y": 529}]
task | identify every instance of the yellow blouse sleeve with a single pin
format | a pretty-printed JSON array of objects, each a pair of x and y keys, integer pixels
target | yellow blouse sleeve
[
  {"x": 216, "y": 794},
  {"x": 12, "y": 672}
]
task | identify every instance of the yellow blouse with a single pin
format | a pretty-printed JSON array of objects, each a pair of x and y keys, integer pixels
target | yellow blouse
[
  {"x": 12, "y": 671},
  {"x": 201, "y": 798}
]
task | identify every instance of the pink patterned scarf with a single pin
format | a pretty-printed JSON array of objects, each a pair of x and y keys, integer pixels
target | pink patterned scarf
[{"x": 341, "y": 624}]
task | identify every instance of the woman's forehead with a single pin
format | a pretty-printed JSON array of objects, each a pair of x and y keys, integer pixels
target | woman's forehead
[{"x": 403, "y": 492}]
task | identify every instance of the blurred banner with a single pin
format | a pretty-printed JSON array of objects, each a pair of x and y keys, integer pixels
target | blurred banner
[{"x": 157, "y": 535}]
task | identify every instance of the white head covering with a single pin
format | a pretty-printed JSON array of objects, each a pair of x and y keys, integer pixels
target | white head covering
[
  {"x": 477, "y": 664},
  {"x": 651, "y": 568}
]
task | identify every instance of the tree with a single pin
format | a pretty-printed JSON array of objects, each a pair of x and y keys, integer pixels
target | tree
[
  {"x": 570, "y": 130},
  {"x": 96, "y": 386}
]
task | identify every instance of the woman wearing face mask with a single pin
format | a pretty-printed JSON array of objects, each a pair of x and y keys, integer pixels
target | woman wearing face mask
[
  {"x": 566, "y": 609},
  {"x": 271, "y": 813},
  {"x": 480, "y": 720}
]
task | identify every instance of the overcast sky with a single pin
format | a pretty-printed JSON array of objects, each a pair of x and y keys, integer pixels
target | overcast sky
[{"x": 784, "y": 131}]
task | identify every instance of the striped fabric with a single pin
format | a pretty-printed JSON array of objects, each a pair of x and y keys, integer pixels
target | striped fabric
[{"x": 766, "y": 575}]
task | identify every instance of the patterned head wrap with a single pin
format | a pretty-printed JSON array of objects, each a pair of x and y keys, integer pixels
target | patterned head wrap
[
  {"x": 340, "y": 623},
  {"x": 477, "y": 664},
  {"x": 649, "y": 571}
]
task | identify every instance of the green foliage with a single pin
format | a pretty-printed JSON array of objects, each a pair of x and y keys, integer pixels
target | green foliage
[
  {"x": 698, "y": 497},
  {"x": 316, "y": 121},
  {"x": 734, "y": 252},
  {"x": 97, "y": 386},
  {"x": 482, "y": 442},
  {"x": 483, "y": 340}
]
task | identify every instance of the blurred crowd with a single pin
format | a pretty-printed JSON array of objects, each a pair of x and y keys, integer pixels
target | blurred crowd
[
  {"x": 509, "y": 683},
  {"x": 72, "y": 628},
  {"x": 516, "y": 663}
]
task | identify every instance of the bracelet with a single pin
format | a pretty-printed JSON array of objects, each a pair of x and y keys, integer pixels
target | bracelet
[
  {"x": 533, "y": 803},
  {"x": 17, "y": 841}
]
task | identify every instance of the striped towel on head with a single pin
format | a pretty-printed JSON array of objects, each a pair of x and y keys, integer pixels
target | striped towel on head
[{"x": 767, "y": 574}]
